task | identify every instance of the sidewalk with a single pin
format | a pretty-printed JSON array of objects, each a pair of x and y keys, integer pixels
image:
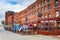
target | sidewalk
[{"x": 57, "y": 36}]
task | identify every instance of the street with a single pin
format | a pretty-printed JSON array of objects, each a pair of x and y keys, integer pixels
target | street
[{"x": 6, "y": 35}]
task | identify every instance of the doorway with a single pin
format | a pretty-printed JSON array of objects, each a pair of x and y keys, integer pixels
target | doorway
[{"x": 59, "y": 25}]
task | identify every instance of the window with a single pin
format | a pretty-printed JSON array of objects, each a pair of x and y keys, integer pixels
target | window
[
  {"x": 33, "y": 20},
  {"x": 26, "y": 19},
  {"x": 42, "y": 27},
  {"x": 49, "y": 7},
  {"x": 46, "y": 27},
  {"x": 40, "y": 4},
  {"x": 57, "y": 13},
  {"x": 41, "y": 9},
  {"x": 49, "y": 15},
  {"x": 45, "y": 16},
  {"x": 48, "y": 0},
  {"x": 42, "y": 17},
  {"x": 56, "y": 3},
  {"x": 44, "y": 8},
  {"x": 59, "y": 26},
  {"x": 51, "y": 26},
  {"x": 39, "y": 14},
  {"x": 39, "y": 26},
  {"x": 30, "y": 20},
  {"x": 44, "y": 1},
  {"x": 33, "y": 13},
  {"x": 33, "y": 7}
]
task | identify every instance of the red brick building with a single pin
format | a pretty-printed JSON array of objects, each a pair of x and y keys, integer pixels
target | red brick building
[
  {"x": 9, "y": 18},
  {"x": 44, "y": 13},
  {"x": 50, "y": 10}
]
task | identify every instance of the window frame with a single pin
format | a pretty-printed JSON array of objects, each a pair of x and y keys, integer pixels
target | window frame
[
  {"x": 49, "y": 1},
  {"x": 49, "y": 7},
  {"x": 56, "y": 3},
  {"x": 57, "y": 13},
  {"x": 49, "y": 15},
  {"x": 44, "y": 1},
  {"x": 44, "y": 8}
]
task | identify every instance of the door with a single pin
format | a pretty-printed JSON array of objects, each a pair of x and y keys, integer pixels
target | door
[{"x": 59, "y": 26}]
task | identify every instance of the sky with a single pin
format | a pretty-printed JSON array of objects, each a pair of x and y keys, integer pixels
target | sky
[{"x": 13, "y": 5}]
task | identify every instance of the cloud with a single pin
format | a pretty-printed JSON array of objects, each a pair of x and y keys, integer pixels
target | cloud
[
  {"x": 13, "y": 5},
  {"x": 26, "y": 2},
  {"x": 5, "y": 7}
]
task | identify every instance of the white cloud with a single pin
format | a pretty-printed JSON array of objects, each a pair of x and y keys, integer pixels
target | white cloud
[
  {"x": 4, "y": 6},
  {"x": 26, "y": 2}
]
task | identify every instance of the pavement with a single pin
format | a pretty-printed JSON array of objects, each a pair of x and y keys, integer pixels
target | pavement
[
  {"x": 7, "y": 35},
  {"x": 57, "y": 36}
]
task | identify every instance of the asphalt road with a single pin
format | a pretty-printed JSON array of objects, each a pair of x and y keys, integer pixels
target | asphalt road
[{"x": 6, "y": 35}]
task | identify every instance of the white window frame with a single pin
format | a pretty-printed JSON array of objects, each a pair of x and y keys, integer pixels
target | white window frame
[{"x": 57, "y": 13}]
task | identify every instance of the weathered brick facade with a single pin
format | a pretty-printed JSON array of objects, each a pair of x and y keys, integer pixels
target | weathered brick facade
[
  {"x": 9, "y": 18},
  {"x": 45, "y": 13}
]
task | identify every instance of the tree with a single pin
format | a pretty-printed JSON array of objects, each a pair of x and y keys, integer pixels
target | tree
[{"x": 3, "y": 22}]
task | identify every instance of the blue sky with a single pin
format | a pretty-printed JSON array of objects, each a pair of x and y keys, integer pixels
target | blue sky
[{"x": 13, "y": 5}]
